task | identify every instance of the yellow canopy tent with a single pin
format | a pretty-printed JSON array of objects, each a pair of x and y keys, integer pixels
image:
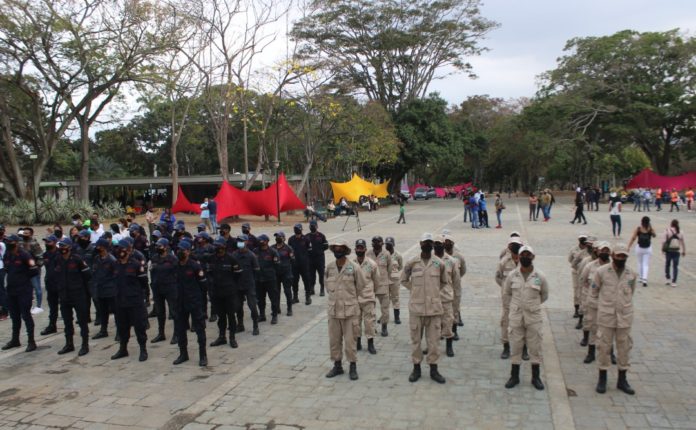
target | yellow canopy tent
[{"x": 356, "y": 187}]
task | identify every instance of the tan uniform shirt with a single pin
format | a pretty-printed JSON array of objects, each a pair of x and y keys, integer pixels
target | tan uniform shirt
[
  {"x": 424, "y": 279},
  {"x": 505, "y": 266},
  {"x": 384, "y": 262},
  {"x": 573, "y": 253},
  {"x": 581, "y": 266},
  {"x": 371, "y": 271},
  {"x": 447, "y": 293},
  {"x": 345, "y": 287},
  {"x": 578, "y": 259},
  {"x": 526, "y": 296},
  {"x": 614, "y": 296},
  {"x": 585, "y": 279},
  {"x": 397, "y": 266},
  {"x": 462, "y": 263}
]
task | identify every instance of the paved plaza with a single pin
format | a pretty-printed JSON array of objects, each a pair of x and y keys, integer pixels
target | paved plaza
[{"x": 276, "y": 380}]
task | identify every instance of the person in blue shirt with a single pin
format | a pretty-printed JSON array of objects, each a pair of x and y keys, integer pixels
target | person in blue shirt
[
  {"x": 483, "y": 212},
  {"x": 474, "y": 207},
  {"x": 212, "y": 209}
]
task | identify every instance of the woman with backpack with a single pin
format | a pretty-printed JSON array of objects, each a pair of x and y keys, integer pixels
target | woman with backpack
[
  {"x": 673, "y": 246},
  {"x": 643, "y": 236}
]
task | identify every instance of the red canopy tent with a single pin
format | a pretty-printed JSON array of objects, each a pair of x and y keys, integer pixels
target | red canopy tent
[
  {"x": 649, "y": 179},
  {"x": 183, "y": 204}
]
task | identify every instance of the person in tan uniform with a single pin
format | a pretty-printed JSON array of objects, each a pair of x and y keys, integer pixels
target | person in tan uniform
[
  {"x": 424, "y": 277},
  {"x": 394, "y": 285},
  {"x": 526, "y": 289},
  {"x": 613, "y": 286},
  {"x": 367, "y": 298},
  {"x": 384, "y": 262},
  {"x": 587, "y": 259},
  {"x": 345, "y": 282},
  {"x": 589, "y": 305},
  {"x": 446, "y": 293},
  {"x": 506, "y": 250},
  {"x": 574, "y": 251},
  {"x": 505, "y": 266},
  {"x": 460, "y": 271},
  {"x": 581, "y": 258}
]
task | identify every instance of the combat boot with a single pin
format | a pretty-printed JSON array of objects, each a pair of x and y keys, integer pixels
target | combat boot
[
  {"x": 102, "y": 334},
  {"x": 514, "y": 376},
  {"x": 289, "y": 313},
  {"x": 84, "y": 349},
  {"x": 183, "y": 356},
  {"x": 577, "y": 313},
  {"x": 295, "y": 299},
  {"x": 262, "y": 316},
  {"x": 585, "y": 338},
  {"x": 221, "y": 340},
  {"x": 202, "y": 356},
  {"x": 359, "y": 344},
  {"x": 240, "y": 327},
  {"x": 337, "y": 370},
  {"x": 460, "y": 323},
  {"x": 233, "y": 341},
  {"x": 449, "y": 349},
  {"x": 322, "y": 293},
  {"x": 590, "y": 357},
  {"x": 506, "y": 351},
  {"x": 371, "y": 346},
  {"x": 308, "y": 299},
  {"x": 50, "y": 329},
  {"x": 213, "y": 318},
  {"x": 578, "y": 326},
  {"x": 353, "y": 372},
  {"x": 435, "y": 375},
  {"x": 525, "y": 354},
  {"x": 160, "y": 336},
  {"x": 255, "y": 332},
  {"x": 602, "y": 382},
  {"x": 415, "y": 374},
  {"x": 454, "y": 330},
  {"x": 143, "y": 353},
  {"x": 68, "y": 347},
  {"x": 274, "y": 319},
  {"x": 153, "y": 313},
  {"x": 122, "y": 352},
  {"x": 384, "y": 333},
  {"x": 397, "y": 316},
  {"x": 31, "y": 345},
  {"x": 175, "y": 339},
  {"x": 622, "y": 384},
  {"x": 14, "y": 343},
  {"x": 536, "y": 378}
]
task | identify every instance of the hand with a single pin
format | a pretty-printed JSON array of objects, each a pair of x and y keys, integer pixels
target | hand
[{"x": 683, "y": 253}]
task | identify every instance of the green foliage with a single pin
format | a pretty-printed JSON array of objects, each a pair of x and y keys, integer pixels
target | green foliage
[
  {"x": 111, "y": 210},
  {"x": 51, "y": 211},
  {"x": 22, "y": 212},
  {"x": 80, "y": 207}
]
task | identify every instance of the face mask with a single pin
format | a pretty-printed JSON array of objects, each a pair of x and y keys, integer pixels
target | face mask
[
  {"x": 582, "y": 241},
  {"x": 220, "y": 250},
  {"x": 439, "y": 247},
  {"x": 279, "y": 241},
  {"x": 11, "y": 246},
  {"x": 26, "y": 238},
  {"x": 427, "y": 248},
  {"x": 525, "y": 261},
  {"x": 84, "y": 240},
  {"x": 339, "y": 254},
  {"x": 132, "y": 234},
  {"x": 620, "y": 264},
  {"x": 64, "y": 251},
  {"x": 161, "y": 250},
  {"x": 449, "y": 247},
  {"x": 312, "y": 228},
  {"x": 122, "y": 254},
  {"x": 263, "y": 245},
  {"x": 245, "y": 231},
  {"x": 58, "y": 233},
  {"x": 76, "y": 222},
  {"x": 181, "y": 255},
  {"x": 360, "y": 253},
  {"x": 515, "y": 248},
  {"x": 50, "y": 247},
  {"x": 377, "y": 247},
  {"x": 240, "y": 245},
  {"x": 390, "y": 248},
  {"x": 604, "y": 257},
  {"x": 297, "y": 231}
]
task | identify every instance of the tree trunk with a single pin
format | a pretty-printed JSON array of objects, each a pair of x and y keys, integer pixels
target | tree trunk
[
  {"x": 175, "y": 168},
  {"x": 246, "y": 150},
  {"x": 259, "y": 167},
  {"x": 84, "y": 158},
  {"x": 305, "y": 177},
  {"x": 12, "y": 173}
]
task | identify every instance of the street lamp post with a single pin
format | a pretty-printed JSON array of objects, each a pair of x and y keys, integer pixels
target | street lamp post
[
  {"x": 33, "y": 158},
  {"x": 276, "y": 166}
]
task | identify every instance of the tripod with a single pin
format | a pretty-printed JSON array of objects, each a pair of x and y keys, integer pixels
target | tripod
[{"x": 354, "y": 212}]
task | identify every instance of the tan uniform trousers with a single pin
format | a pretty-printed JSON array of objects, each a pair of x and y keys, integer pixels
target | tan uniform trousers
[
  {"x": 457, "y": 303},
  {"x": 589, "y": 323},
  {"x": 367, "y": 319},
  {"x": 576, "y": 288},
  {"x": 394, "y": 294},
  {"x": 447, "y": 320},
  {"x": 343, "y": 332},
  {"x": 532, "y": 334},
  {"x": 431, "y": 326},
  {"x": 383, "y": 300},
  {"x": 505, "y": 318},
  {"x": 605, "y": 337}
]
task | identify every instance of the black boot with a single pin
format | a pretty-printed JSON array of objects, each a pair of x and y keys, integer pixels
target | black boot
[
  {"x": 371, "y": 346},
  {"x": 84, "y": 349},
  {"x": 14, "y": 343},
  {"x": 274, "y": 319},
  {"x": 31, "y": 345},
  {"x": 536, "y": 379},
  {"x": 514, "y": 376},
  {"x": 50, "y": 329},
  {"x": 454, "y": 330},
  {"x": 240, "y": 327},
  {"x": 578, "y": 326},
  {"x": 183, "y": 356},
  {"x": 337, "y": 370},
  {"x": 359, "y": 344},
  {"x": 525, "y": 354},
  {"x": 450, "y": 350},
  {"x": 153, "y": 313},
  {"x": 295, "y": 299},
  {"x": 321, "y": 292},
  {"x": 353, "y": 372},
  {"x": 143, "y": 353},
  {"x": 160, "y": 336},
  {"x": 202, "y": 356},
  {"x": 460, "y": 323},
  {"x": 613, "y": 357},
  {"x": 622, "y": 384},
  {"x": 384, "y": 333},
  {"x": 221, "y": 340},
  {"x": 289, "y": 313},
  {"x": 308, "y": 300},
  {"x": 175, "y": 339},
  {"x": 577, "y": 313},
  {"x": 506, "y": 351},
  {"x": 397, "y": 316},
  {"x": 102, "y": 334},
  {"x": 122, "y": 352},
  {"x": 435, "y": 375},
  {"x": 233, "y": 341},
  {"x": 213, "y": 318},
  {"x": 117, "y": 338},
  {"x": 69, "y": 346},
  {"x": 255, "y": 332},
  {"x": 416, "y": 374},
  {"x": 262, "y": 316},
  {"x": 585, "y": 338},
  {"x": 590, "y": 357},
  {"x": 602, "y": 382}
]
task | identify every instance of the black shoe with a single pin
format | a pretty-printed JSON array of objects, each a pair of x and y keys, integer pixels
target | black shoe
[
  {"x": 255, "y": 331},
  {"x": 175, "y": 340},
  {"x": 454, "y": 330},
  {"x": 122, "y": 352},
  {"x": 384, "y": 333},
  {"x": 525, "y": 354},
  {"x": 536, "y": 378},
  {"x": 450, "y": 350},
  {"x": 14, "y": 343},
  {"x": 143, "y": 353},
  {"x": 415, "y": 374},
  {"x": 295, "y": 300},
  {"x": 336, "y": 370},
  {"x": 240, "y": 328},
  {"x": 202, "y": 357},
  {"x": 31, "y": 345},
  {"x": 221, "y": 340},
  {"x": 183, "y": 356},
  {"x": 359, "y": 344},
  {"x": 371, "y": 346},
  {"x": 233, "y": 342},
  {"x": 262, "y": 317},
  {"x": 102, "y": 334},
  {"x": 308, "y": 300},
  {"x": 578, "y": 326},
  {"x": 514, "y": 376},
  {"x": 353, "y": 372},
  {"x": 69, "y": 347},
  {"x": 397, "y": 316},
  {"x": 622, "y": 384},
  {"x": 274, "y": 319},
  {"x": 213, "y": 318},
  {"x": 590, "y": 357},
  {"x": 159, "y": 338},
  {"x": 289, "y": 313},
  {"x": 50, "y": 329},
  {"x": 613, "y": 357},
  {"x": 602, "y": 382},
  {"x": 460, "y": 323},
  {"x": 577, "y": 314},
  {"x": 435, "y": 375},
  {"x": 152, "y": 313},
  {"x": 97, "y": 321},
  {"x": 585, "y": 338},
  {"x": 506, "y": 351},
  {"x": 322, "y": 293}
]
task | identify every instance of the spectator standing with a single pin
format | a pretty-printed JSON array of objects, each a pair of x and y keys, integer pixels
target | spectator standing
[
  {"x": 579, "y": 207},
  {"x": 483, "y": 212},
  {"x": 467, "y": 209},
  {"x": 689, "y": 194},
  {"x": 545, "y": 203},
  {"x": 150, "y": 218},
  {"x": 658, "y": 199},
  {"x": 212, "y": 211},
  {"x": 499, "y": 206},
  {"x": 3, "y": 292},
  {"x": 474, "y": 208},
  {"x": 533, "y": 201},
  {"x": 615, "y": 214},
  {"x": 402, "y": 213},
  {"x": 673, "y": 246},
  {"x": 205, "y": 215},
  {"x": 674, "y": 200},
  {"x": 647, "y": 198},
  {"x": 643, "y": 234}
]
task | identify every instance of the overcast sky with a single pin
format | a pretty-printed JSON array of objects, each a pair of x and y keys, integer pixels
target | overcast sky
[{"x": 532, "y": 35}]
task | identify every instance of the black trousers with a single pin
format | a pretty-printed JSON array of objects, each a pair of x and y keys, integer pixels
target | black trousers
[
  {"x": 316, "y": 267},
  {"x": 132, "y": 316},
  {"x": 53, "y": 300},
  {"x": 270, "y": 289},
  {"x": 20, "y": 309},
  {"x": 300, "y": 270},
  {"x": 107, "y": 305},
  {"x": 184, "y": 311},
  {"x": 162, "y": 299},
  {"x": 285, "y": 282},
  {"x": 248, "y": 294},
  {"x": 225, "y": 307},
  {"x": 79, "y": 305}
]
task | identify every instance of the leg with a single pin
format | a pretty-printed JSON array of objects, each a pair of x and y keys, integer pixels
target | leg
[
  {"x": 335, "y": 341},
  {"x": 383, "y": 300},
  {"x": 36, "y": 283},
  {"x": 605, "y": 339},
  {"x": 321, "y": 267},
  {"x": 505, "y": 320},
  {"x": 251, "y": 303},
  {"x": 415, "y": 323},
  {"x": 675, "y": 267},
  {"x": 433, "y": 329},
  {"x": 517, "y": 339},
  {"x": 533, "y": 340},
  {"x": 350, "y": 328}
]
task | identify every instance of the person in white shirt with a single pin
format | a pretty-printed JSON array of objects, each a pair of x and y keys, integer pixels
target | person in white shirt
[{"x": 615, "y": 214}]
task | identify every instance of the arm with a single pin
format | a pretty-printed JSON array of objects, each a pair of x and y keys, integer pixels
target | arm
[
  {"x": 544, "y": 289},
  {"x": 596, "y": 285},
  {"x": 633, "y": 238},
  {"x": 499, "y": 276},
  {"x": 406, "y": 276}
]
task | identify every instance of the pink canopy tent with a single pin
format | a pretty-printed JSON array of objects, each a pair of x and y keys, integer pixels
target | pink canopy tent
[
  {"x": 649, "y": 179},
  {"x": 183, "y": 204}
]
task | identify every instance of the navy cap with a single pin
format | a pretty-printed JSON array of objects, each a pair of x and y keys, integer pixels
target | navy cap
[
  {"x": 134, "y": 227},
  {"x": 360, "y": 242},
  {"x": 298, "y": 225},
  {"x": 185, "y": 245},
  {"x": 313, "y": 222},
  {"x": 129, "y": 240},
  {"x": 225, "y": 226},
  {"x": 243, "y": 237},
  {"x": 263, "y": 238},
  {"x": 103, "y": 243},
  {"x": 201, "y": 226},
  {"x": 220, "y": 241},
  {"x": 162, "y": 223},
  {"x": 65, "y": 243},
  {"x": 157, "y": 233},
  {"x": 203, "y": 235},
  {"x": 389, "y": 240},
  {"x": 123, "y": 243},
  {"x": 50, "y": 238},
  {"x": 179, "y": 227},
  {"x": 162, "y": 242},
  {"x": 377, "y": 239},
  {"x": 179, "y": 221},
  {"x": 246, "y": 225},
  {"x": 12, "y": 238},
  {"x": 84, "y": 233},
  {"x": 279, "y": 234}
]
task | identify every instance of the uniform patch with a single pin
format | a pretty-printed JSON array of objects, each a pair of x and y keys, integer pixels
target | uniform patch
[{"x": 537, "y": 281}]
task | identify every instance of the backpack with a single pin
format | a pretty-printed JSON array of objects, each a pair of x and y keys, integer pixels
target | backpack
[{"x": 666, "y": 246}]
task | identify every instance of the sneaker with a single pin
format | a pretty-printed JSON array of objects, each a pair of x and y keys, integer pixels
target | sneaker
[
  {"x": 674, "y": 284},
  {"x": 36, "y": 310}
]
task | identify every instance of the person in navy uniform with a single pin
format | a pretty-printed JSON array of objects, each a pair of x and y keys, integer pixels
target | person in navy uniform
[
  {"x": 72, "y": 275},
  {"x": 20, "y": 268},
  {"x": 247, "y": 281},
  {"x": 104, "y": 284},
  {"x": 223, "y": 272},
  {"x": 286, "y": 257},
  {"x": 301, "y": 246},
  {"x": 52, "y": 296},
  {"x": 202, "y": 250},
  {"x": 130, "y": 300},
  {"x": 267, "y": 283},
  {"x": 190, "y": 284},
  {"x": 253, "y": 241},
  {"x": 317, "y": 262},
  {"x": 163, "y": 269}
]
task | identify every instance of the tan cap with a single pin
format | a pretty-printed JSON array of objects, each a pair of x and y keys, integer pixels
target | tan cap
[
  {"x": 448, "y": 236},
  {"x": 582, "y": 235},
  {"x": 516, "y": 240},
  {"x": 528, "y": 249},
  {"x": 591, "y": 238},
  {"x": 620, "y": 248},
  {"x": 339, "y": 242},
  {"x": 603, "y": 244},
  {"x": 440, "y": 238},
  {"x": 426, "y": 236}
]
